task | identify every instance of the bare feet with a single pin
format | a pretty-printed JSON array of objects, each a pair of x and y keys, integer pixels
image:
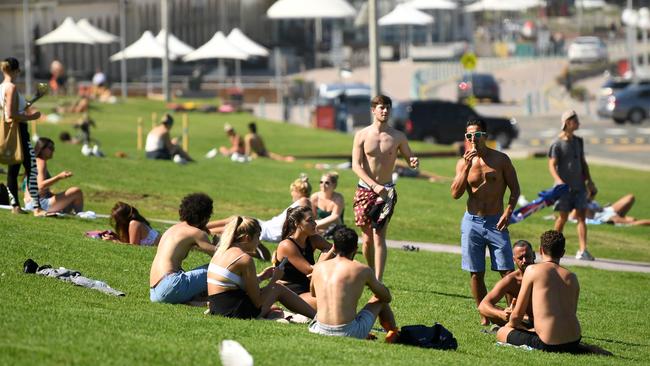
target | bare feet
[
  {"x": 38, "y": 212},
  {"x": 17, "y": 210},
  {"x": 484, "y": 320}
]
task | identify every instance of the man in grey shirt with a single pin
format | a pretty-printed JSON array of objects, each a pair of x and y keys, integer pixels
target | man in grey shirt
[{"x": 567, "y": 165}]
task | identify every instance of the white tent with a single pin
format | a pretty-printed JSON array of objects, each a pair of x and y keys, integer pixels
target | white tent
[
  {"x": 591, "y": 4},
  {"x": 67, "y": 32},
  {"x": 217, "y": 47},
  {"x": 99, "y": 35},
  {"x": 432, "y": 4},
  {"x": 502, "y": 5},
  {"x": 175, "y": 45},
  {"x": 241, "y": 41},
  {"x": 145, "y": 47},
  {"x": 405, "y": 15},
  {"x": 301, "y": 9}
]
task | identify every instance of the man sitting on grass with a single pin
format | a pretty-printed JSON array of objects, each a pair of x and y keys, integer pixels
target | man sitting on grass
[
  {"x": 168, "y": 282},
  {"x": 509, "y": 286},
  {"x": 553, "y": 292},
  {"x": 338, "y": 284}
]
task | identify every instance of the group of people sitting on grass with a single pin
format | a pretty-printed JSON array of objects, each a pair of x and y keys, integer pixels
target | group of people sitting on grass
[
  {"x": 160, "y": 146},
  {"x": 304, "y": 286},
  {"x": 541, "y": 298}
]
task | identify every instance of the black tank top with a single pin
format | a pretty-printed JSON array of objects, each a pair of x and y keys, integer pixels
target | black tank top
[{"x": 291, "y": 273}]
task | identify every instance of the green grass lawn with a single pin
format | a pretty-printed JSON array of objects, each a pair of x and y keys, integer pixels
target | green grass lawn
[{"x": 46, "y": 321}]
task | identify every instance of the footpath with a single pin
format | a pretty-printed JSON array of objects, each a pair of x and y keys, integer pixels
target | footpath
[{"x": 599, "y": 263}]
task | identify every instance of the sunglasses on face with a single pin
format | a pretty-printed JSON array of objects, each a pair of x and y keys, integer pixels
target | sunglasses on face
[
  {"x": 477, "y": 135},
  {"x": 325, "y": 182}
]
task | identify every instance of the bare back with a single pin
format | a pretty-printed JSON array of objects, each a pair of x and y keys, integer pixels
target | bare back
[
  {"x": 254, "y": 144},
  {"x": 554, "y": 291},
  {"x": 338, "y": 285},
  {"x": 173, "y": 248},
  {"x": 376, "y": 149},
  {"x": 486, "y": 183}
]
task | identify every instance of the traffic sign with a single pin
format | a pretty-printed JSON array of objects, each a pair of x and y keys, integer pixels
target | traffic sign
[{"x": 468, "y": 60}]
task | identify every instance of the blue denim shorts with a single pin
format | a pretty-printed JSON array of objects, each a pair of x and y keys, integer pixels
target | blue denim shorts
[
  {"x": 180, "y": 287},
  {"x": 358, "y": 328},
  {"x": 478, "y": 232},
  {"x": 45, "y": 204}
]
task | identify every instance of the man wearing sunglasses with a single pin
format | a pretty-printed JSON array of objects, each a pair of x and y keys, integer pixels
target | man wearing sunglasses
[
  {"x": 484, "y": 173},
  {"x": 374, "y": 152}
]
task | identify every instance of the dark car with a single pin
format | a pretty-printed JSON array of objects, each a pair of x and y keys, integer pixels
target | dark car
[
  {"x": 444, "y": 122},
  {"x": 630, "y": 104},
  {"x": 482, "y": 86},
  {"x": 609, "y": 88}
]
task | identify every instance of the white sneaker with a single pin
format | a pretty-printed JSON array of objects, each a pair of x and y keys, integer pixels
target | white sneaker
[
  {"x": 179, "y": 159},
  {"x": 585, "y": 256},
  {"x": 212, "y": 153}
]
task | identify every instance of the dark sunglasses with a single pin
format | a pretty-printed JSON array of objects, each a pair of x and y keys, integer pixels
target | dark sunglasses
[
  {"x": 325, "y": 182},
  {"x": 477, "y": 134}
]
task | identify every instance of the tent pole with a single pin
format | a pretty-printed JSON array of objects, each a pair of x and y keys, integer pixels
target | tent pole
[
  {"x": 373, "y": 47},
  {"x": 28, "y": 48},
  {"x": 123, "y": 46},
  {"x": 164, "y": 13}
]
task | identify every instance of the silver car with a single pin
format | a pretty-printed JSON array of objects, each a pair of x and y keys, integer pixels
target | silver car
[
  {"x": 630, "y": 104},
  {"x": 587, "y": 49}
]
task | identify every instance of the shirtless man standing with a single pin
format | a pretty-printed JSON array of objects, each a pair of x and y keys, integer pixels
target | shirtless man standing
[
  {"x": 509, "y": 286},
  {"x": 167, "y": 280},
  {"x": 374, "y": 154},
  {"x": 553, "y": 292},
  {"x": 484, "y": 173},
  {"x": 338, "y": 284}
]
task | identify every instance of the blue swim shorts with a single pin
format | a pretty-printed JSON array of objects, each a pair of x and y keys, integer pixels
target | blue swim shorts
[
  {"x": 477, "y": 232},
  {"x": 180, "y": 287}
]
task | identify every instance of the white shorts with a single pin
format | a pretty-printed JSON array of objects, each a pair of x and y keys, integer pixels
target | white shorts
[{"x": 358, "y": 328}]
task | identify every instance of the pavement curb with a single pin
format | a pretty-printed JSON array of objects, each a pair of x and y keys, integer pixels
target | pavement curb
[{"x": 599, "y": 263}]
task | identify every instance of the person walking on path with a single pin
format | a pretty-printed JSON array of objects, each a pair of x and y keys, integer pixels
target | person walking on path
[
  {"x": 567, "y": 165},
  {"x": 374, "y": 153},
  {"x": 484, "y": 173}
]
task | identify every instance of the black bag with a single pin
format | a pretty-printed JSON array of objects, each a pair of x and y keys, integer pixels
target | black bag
[
  {"x": 4, "y": 195},
  {"x": 437, "y": 337}
]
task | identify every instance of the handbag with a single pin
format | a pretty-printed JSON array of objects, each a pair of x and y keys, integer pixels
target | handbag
[{"x": 11, "y": 149}]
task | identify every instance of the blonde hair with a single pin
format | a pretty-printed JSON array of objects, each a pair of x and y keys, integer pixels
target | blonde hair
[
  {"x": 5, "y": 67},
  {"x": 301, "y": 185},
  {"x": 333, "y": 176},
  {"x": 236, "y": 230}
]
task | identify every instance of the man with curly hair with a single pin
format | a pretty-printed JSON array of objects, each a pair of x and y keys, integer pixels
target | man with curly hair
[{"x": 168, "y": 282}]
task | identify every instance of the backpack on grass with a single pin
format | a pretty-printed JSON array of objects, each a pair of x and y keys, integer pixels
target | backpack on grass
[{"x": 437, "y": 337}]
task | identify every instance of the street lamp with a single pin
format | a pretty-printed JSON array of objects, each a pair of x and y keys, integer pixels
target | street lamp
[
  {"x": 644, "y": 24},
  {"x": 630, "y": 18}
]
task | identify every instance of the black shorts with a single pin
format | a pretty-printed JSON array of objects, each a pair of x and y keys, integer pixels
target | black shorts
[
  {"x": 522, "y": 337},
  {"x": 297, "y": 288},
  {"x": 233, "y": 304},
  {"x": 159, "y": 155}
]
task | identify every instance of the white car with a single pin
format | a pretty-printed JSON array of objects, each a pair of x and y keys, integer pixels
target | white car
[{"x": 587, "y": 49}]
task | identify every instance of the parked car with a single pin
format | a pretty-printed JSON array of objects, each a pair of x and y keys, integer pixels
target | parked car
[
  {"x": 480, "y": 85},
  {"x": 351, "y": 102},
  {"x": 630, "y": 104},
  {"x": 587, "y": 49},
  {"x": 444, "y": 122},
  {"x": 608, "y": 89}
]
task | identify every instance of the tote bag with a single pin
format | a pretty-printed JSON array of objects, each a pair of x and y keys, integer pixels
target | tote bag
[{"x": 11, "y": 151}]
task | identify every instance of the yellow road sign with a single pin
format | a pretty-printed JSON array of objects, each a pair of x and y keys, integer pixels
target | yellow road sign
[{"x": 468, "y": 60}]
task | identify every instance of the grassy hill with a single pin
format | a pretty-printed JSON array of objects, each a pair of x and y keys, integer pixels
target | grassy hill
[{"x": 50, "y": 322}]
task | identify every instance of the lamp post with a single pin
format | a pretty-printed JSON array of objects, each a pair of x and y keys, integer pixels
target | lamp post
[
  {"x": 123, "y": 46},
  {"x": 644, "y": 25},
  {"x": 630, "y": 18},
  {"x": 27, "y": 38},
  {"x": 373, "y": 48}
]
